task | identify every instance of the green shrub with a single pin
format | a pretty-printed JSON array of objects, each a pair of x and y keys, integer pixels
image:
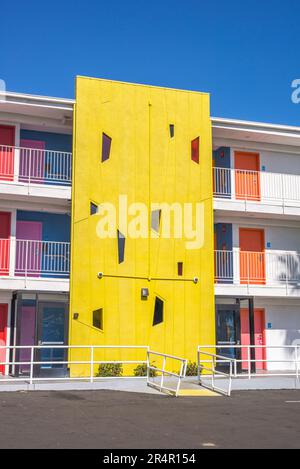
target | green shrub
[
  {"x": 109, "y": 369},
  {"x": 192, "y": 369},
  {"x": 141, "y": 370}
]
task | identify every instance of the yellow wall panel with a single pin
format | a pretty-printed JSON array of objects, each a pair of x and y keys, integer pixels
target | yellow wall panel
[{"x": 147, "y": 166}]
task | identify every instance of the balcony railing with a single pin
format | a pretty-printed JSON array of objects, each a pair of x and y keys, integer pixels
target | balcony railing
[
  {"x": 256, "y": 186},
  {"x": 24, "y": 258},
  {"x": 257, "y": 268},
  {"x": 35, "y": 166}
]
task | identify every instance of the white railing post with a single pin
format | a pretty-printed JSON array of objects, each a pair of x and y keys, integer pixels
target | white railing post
[
  {"x": 213, "y": 367},
  {"x": 297, "y": 361},
  {"x": 92, "y": 364},
  {"x": 12, "y": 256},
  {"x": 163, "y": 372},
  {"x": 198, "y": 368},
  {"x": 236, "y": 266},
  {"x": 16, "y": 164},
  {"x": 26, "y": 260},
  {"x": 282, "y": 190},
  {"x": 179, "y": 380},
  {"x": 29, "y": 166},
  {"x": 148, "y": 366},
  {"x": 230, "y": 378},
  {"x": 31, "y": 364},
  {"x": 249, "y": 361}
]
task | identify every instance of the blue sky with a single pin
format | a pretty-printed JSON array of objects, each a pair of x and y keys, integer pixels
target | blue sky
[{"x": 245, "y": 53}]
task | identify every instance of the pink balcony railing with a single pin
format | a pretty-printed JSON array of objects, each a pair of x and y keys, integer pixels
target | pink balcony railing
[
  {"x": 34, "y": 258},
  {"x": 35, "y": 166}
]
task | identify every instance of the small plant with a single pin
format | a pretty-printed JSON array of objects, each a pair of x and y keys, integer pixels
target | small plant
[
  {"x": 109, "y": 369},
  {"x": 192, "y": 369},
  {"x": 141, "y": 370}
]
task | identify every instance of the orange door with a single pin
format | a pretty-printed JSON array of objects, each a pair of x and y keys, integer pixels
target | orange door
[
  {"x": 259, "y": 334},
  {"x": 252, "y": 256},
  {"x": 247, "y": 181},
  {"x": 7, "y": 142}
]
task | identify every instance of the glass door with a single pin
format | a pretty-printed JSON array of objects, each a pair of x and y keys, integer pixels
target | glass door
[
  {"x": 52, "y": 331},
  {"x": 228, "y": 332}
]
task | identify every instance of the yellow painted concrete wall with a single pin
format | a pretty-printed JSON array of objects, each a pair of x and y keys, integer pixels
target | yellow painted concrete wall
[{"x": 148, "y": 166}]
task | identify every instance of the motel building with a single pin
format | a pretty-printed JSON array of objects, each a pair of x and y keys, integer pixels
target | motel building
[
  {"x": 35, "y": 214},
  {"x": 61, "y": 160}
]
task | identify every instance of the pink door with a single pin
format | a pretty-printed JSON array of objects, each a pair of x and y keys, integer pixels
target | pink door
[
  {"x": 27, "y": 332},
  {"x": 32, "y": 161},
  {"x": 245, "y": 337},
  {"x": 29, "y": 248},
  {"x": 3, "y": 335},
  {"x": 259, "y": 333}
]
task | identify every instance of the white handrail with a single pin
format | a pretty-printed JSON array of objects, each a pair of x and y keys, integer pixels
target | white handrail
[
  {"x": 247, "y": 361},
  {"x": 164, "y": 372},
  {"x": 256, "y": 186},
  {"x": 33, "y": 362},
  {"x": 35, "y": 258},
  {"x": 213, "y": 373},
  {"x": 257, "y": 268},
  {"x": 35, "y": 166}
]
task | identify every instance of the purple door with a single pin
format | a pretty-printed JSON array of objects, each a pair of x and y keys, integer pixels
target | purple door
[
  {"x": 32, "y": 161},
  {"x": 27, "y": 333},
  {"x": 29, "y": 248}
]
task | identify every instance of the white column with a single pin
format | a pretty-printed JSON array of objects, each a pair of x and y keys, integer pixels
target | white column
[
  {"x": 13, "y": 230},
  {"x": 17, "y": 153}
]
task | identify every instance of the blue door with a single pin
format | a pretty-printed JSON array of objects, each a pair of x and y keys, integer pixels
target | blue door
[
  {"x": 228, "y": 332},
  {"x": 53, "y": 321}
]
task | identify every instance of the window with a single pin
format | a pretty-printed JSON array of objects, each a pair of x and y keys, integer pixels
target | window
[
  {"x": 121, "y": 247},
  {"x": 93, "y": 208},
  {"x": 98, "y": 319},
  {"x": 180, "y": 269},
  {"x": 155, "y": 220},
  {"x": 106, "y": 147},
  {"x": 158, "y": 311},
  {"x": 195, "y": 149},
  {"x": 172, "y": 130}
]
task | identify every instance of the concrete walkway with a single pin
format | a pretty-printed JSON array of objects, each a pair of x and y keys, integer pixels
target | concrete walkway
[{"x": 189, "y": 386}]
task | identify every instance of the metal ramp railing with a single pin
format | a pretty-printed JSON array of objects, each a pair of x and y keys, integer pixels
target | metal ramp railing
[
  {"x": 161, "y": 373},
  {"x": 207, "y": 371}
]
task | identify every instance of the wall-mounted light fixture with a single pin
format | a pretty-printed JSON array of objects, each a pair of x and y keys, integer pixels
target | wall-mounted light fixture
[{"x": 144, "y": 293}]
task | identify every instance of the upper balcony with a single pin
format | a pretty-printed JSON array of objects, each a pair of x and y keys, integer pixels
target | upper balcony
[
  {"x": 26, "y": 171},
  {"x": 35, "y": 151},
  {"x": 267, "y": 273},
  {"x": 258, "y": 192},
  {"x": 34, "y": 265}
]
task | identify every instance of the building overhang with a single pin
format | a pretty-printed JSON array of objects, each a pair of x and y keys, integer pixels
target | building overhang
[
  {"x": 227, "y": 131},
  {"x": 43, "y": 111}
]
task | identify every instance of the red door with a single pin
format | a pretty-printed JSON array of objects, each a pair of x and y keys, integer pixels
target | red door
[
  {"x": 252, "y": 256},
  {"x": 247, "y": 181},
  {"x": 3, "y": 336},
  {"x": 259, "y": 333},
  {"x": 29, "y": 248},
  {"x": 4, "y": 242},
  {"x": 7, "y": 142},
  {"x": 32, "y": 161}
]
